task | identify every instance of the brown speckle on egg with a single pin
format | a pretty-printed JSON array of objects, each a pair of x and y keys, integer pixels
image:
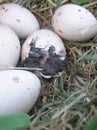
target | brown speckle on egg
[
  {"x": 3, "y": 7},
  {"x": 16, "y": 79},
  {"x": 79, "y": 10},
  {"x": 59, "y": 13},
  {"x": 17, "y": 47},
  {"x": 60, "y": 31},
  {"x": 18, "y": 20},
  {"x": 6, "y": 10}
]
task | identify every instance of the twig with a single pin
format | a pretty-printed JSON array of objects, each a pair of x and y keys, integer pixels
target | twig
[
  {"x": 18, "y": 68},
  {"x": 90, "y": 4}
]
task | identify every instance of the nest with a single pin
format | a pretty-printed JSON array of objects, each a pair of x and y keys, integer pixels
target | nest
[{"x": 68, "y": 101}]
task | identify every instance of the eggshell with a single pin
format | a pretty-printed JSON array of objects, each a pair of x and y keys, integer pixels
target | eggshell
[
  {"x": 19, "y": 91},
  {"x": 9, "y": 46},
  {"x": 74, "y": 23},
  {"x": 44, "y": 39},
  {"x": 44, "y": 49},
  {"x": 20, "y": 19}
]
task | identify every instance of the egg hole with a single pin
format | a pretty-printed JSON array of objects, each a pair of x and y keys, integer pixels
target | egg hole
[{"x": 50, "y": 63}]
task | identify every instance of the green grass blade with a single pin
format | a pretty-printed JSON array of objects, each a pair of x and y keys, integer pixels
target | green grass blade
[
  {"x": 79, "y": 1},
  {"x": 58, "y": 4},
  {"x": 14, "y": 121},
  {"x": 92, "y": 125},
  {"x": 10, "y": 1},
  {"x": 91, "y": 56}
]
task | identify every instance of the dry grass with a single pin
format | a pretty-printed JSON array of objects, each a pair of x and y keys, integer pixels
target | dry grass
[{"x": 69, "y": 101}]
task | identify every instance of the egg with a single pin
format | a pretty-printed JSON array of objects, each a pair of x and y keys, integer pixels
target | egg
[
  {"x": 74, "y": 23},
  {"x": 44, "y": 49},
  {"x": 9, "y": 46},
  {"x": 20, "y": 19},
  {"x": 19, "y": 91}
]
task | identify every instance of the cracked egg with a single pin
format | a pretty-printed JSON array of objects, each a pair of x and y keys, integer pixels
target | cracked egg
[{"x": 44, "y": 49}]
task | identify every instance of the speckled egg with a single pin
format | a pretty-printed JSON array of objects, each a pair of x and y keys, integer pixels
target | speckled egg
[
  {"x": 9, "y": 46},
  {"x": 19, "y": 91},
  {"x": 19, "y": 18},
  {"x": 74, "y": 23}
]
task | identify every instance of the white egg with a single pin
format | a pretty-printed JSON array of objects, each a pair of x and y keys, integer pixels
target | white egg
[
  {"x": 19, "y": 91},
  {"x": 9, "y": 46},
  {"x": 44, "y": 49},
  {"x": 20, "y": 19},
  {"x": 74, "y": 23}
]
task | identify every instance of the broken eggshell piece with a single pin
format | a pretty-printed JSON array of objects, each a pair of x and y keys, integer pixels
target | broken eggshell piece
[{"x": 44, "y": 49}]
